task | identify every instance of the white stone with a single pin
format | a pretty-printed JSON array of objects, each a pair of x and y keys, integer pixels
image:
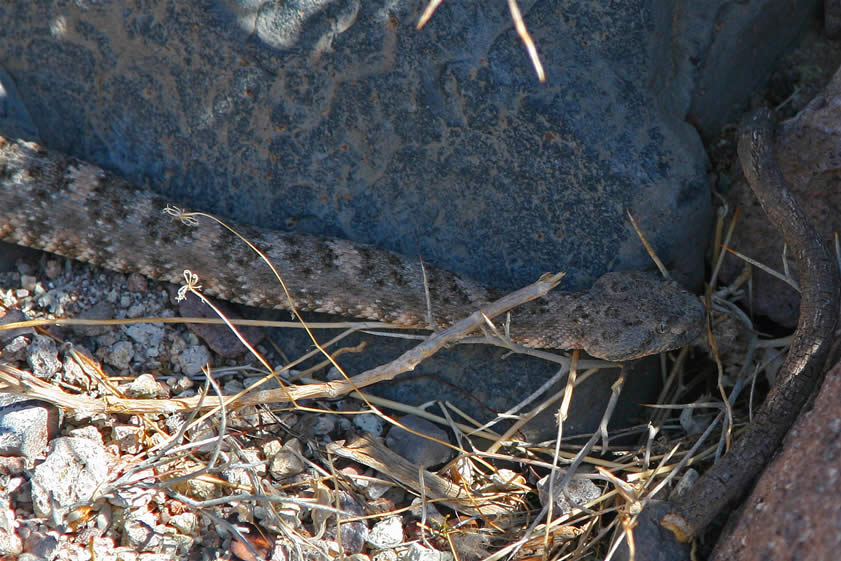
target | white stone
[
  {"x": 386, "y": 533},
  {"x": 370, "y": 423},
  {"x": 187, "y": 523},
  {"x": 417, "y": 552}
]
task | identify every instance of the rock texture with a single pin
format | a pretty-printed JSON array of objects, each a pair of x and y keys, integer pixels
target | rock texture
[
  {"x": 794, "y": 512},
  {"x": 342, "y": 119}
]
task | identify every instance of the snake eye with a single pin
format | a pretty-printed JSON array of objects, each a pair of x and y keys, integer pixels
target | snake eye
[{"x": 662, "y": 327}]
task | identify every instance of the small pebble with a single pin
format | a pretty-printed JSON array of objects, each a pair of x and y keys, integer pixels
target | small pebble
[
  {"x": 90, "y": 432},
  {"x": 137, "y": 283},
  {"x": 136, "y": 310},
  {"x": 128, "y": 438},
  {"x": 322, "y": 425},
  {"x": 187, "y": 523},
  {"x": 27, "y": 283},
  {"x": 26, "y": 426},
  {"x": 191, "y": 360},
  {"x": 232, "y": 386},
  {"x": 72, "y": 472},
  {"x": 104, "y": 517},
  {"x": 354, "y": 534},
  {"x": 385, "y": 555},
  {"x": 370, "y": 423},
  {"x": 386, "y": 533},
  {"x": 179, "y": 384},
  {"x": 581, "y": 491},
  {"x": 141, "y": 531},
  {"x": 10, "y": 543},
  {"x": 148, "y": 336},
  {"x": 43, "y": 357},
  {"x": 418, "y": 552},
  {"x": 287, "y": 462},
  {"x": 145, "y": 386},
  {"x": 426, "y": 510},
  {"x": 53, "y": 269},
  {"x": 119, "y": 355},
  {"x": 16, "y": 350},
  {"x": 13, "y": 316},
  {"x": 249, "y": 463}
]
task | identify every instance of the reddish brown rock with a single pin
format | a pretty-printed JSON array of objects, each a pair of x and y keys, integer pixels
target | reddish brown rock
[
  {"x": 220, "y": 338},
  {"x": 794, "y": 512}
]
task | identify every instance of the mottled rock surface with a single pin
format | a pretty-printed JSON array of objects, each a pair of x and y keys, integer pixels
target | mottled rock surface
[
  {"x": 794, "y": 512},
  {"x": 342, "y": 119}
]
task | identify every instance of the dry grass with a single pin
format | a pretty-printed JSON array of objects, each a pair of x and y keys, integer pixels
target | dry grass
[{"x": 493, "y": 511}]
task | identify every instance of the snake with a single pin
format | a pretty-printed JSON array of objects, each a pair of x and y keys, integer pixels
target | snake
[
  {"x": 76, "y": 209},
  {"x": 804, "y": 365}
]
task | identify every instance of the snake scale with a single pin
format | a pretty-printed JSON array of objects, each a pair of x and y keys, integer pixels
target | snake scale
[{"x": 72, "y": 208}]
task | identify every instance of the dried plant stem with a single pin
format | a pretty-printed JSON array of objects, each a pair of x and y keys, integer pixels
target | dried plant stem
[
  {"x": 16, "y": 381},
  {"x": 373, "y": 454}
]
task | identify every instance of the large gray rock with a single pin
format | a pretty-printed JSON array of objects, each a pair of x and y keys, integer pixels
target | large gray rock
[{"x": 340, "y": 118}]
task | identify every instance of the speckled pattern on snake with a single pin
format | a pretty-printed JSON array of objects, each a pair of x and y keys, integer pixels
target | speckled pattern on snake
[{"x": 72, "y": 208}]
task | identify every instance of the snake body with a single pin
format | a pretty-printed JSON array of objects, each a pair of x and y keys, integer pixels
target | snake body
[
  {"x": 73, "y": 208},
  {"x": 803, "y": 367}
]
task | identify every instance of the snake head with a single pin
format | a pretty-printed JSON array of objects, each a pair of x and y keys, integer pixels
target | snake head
[
  {"x": 635, "y": 314},
  {"x": 625, "y": 315}
]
